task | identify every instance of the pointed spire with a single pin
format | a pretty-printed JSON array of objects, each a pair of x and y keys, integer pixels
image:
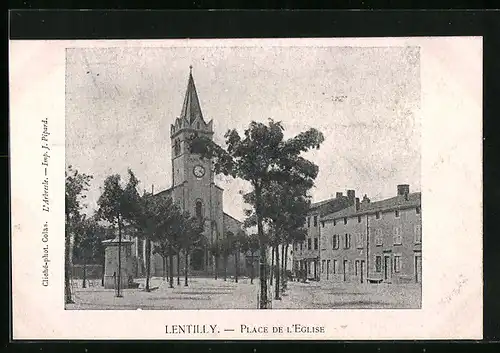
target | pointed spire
[{"x": 191, "y": 108}]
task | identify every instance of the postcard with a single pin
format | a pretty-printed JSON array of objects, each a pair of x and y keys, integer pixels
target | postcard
[{"x": 233, "y": 189}]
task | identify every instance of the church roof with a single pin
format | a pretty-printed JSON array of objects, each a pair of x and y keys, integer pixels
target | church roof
[{"x": 191, "y": 108}]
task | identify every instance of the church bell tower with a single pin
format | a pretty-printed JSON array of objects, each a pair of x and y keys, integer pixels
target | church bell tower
[{"x": 192, "y": 177}]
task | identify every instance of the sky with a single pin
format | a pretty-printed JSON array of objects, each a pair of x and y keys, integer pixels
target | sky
[{"x": 120, "y": 103}]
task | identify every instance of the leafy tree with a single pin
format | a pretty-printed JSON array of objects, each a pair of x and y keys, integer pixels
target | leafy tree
[
  {"x": 227, "y": 249},
  {"x": 88, "y": 246},
  {"x": 191, "y": 237},
  {"x": 285, "y": 206},
  {"x": 261, "y": 156},
  {"x": 251, "y": 245},
  {"x": 215, "y": 249},
  {"x": 116, "y": 205},
  {"x": 76, "y": 184},
  {"x": 153, "y": 217}
]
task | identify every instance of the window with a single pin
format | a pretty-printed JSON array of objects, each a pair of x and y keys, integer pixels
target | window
[
  {"x": 418, "y": 233},
  {"x": 336, "y": 241},
  {"x": 301, "y": 246},
  {"x": 378, "y": 237},
  {"x": 315, "y": 221},
  {"x": 378, "y": 263},
  {"x": 308, "y": 222},
  {"x": 359, "y": 240},
  {"x": 396, "y": 213},
  {"x": 308, "y": 244},
  {"x": 335, "y": 266},
  {"x": 198, "y": 125},
  {"x": 397, "y": 236},
  {"x": 315, "y": 243},
  {"x": 328, "y": 266},
  {"x": 323, "y": 266},
  {"x": 199, "y": 209},
  {"x": 359, "y": 219},
  {"x": 346, "y": 268},
  {"x": 177, "y": 147},
  {"x": 356, "y": 267},
  {"x": 397, "y": 263},
  {"x": 323, "y": 224},
  {"x": 347, "y": 241},
  {"x": 129, "y": 251},
  {"x": 345, "y": 220},
  {"x": 377, "y": 215},
  {"x": 417, "y": 210},
  {"x": 334, "y": 222}
]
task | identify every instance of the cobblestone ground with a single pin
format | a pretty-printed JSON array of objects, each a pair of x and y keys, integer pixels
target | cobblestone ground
[{"x": 208, "y": 293}]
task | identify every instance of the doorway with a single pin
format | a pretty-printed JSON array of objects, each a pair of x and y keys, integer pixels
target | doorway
[
  {"x": 387, "y": 268},
  {"x": 418, "y": 268},
  {"x": 362, "y": 273},
  {"x": 197, "y": 259}
]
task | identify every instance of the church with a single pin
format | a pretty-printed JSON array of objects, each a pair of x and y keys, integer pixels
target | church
[{"x": 194, "y": 190}]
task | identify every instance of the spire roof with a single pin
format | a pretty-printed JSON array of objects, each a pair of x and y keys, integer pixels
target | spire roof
[{"x": 191, "y": 108}]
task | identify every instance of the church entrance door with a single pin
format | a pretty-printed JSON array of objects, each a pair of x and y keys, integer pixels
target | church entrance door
[{"x": 198, "y": 260}]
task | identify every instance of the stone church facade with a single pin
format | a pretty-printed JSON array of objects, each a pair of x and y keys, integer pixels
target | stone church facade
[{"x": 194, "y": 190}]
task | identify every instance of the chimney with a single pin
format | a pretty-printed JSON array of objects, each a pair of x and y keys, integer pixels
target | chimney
[
  {"x": 338, "y": 195},
  {"x": 357, "y": 204},
  {"x": 351, "y": 195},
  {"x": 404, "y": 190}
]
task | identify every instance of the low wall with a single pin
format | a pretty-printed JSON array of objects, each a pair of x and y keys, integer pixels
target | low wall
[{"x": 92, "y": 271}]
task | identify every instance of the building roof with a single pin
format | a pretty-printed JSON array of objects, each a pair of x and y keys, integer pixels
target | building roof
[
  {"x": 191, "y": 107},
  {"x": 393, "y": 203},
  {"x": 328, "y": 206},
  {"x": 234, "y": 219}
]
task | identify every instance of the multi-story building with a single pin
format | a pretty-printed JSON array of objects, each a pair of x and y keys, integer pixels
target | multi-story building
[
  {"x": 306, "y": 255},
  {"x": 374, "y": 241}
]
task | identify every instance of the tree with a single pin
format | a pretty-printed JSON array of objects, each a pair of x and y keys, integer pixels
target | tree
[
  {"x": 239, "y": 243},
  {"x": 215, "y": 250},
  {"x": 261, "y": 156},
  {"x": 76, "y": 184},
  {"x": 251, "y": 245},
  {"x": 116, "y": 205},
  {"x": 284, "y": 210},
  {"x": 191, "y": 237},
  {"x": 227, "y": 249},
  {"x": 88, "y": 244}
]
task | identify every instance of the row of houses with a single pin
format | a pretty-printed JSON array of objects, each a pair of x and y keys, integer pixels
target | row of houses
[{"x": 352, "y": 241}]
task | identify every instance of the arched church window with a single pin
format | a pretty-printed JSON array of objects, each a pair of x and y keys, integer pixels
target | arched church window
[
  {"x": 199, "y": 209},
  {"x": 177, "y": 147}
]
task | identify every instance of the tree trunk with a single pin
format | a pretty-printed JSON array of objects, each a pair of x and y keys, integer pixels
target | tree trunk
[
  {"x": 216, "y": 269},
  {"x": 262, "y": 247},
  {"x": 148, "y": 263},
  {"x": 272, "y": 266},
  {"x": 179, "y": 267},
  {"x": 103, "y": 268},
  {"x": 277, "y": 271},
  {"x": 118, "y": 294},
  {"x": 171, "y": 266},
  {"x": 252, "y": 269},
  {"x": 186, "y": 264},
  {"x": 237, "y": 265},
  {"x": 225, "y": 268},
  {"x": 164, "y": 263},
  {"x": 286, "y": 264},
  {"x": 283, "y": 274},
  {"x": 84, "y": 284},
  {"x": 67, "y": 263}
]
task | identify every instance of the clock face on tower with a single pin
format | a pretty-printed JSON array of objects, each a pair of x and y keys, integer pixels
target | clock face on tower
[{"x": 199, "y": 171}]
